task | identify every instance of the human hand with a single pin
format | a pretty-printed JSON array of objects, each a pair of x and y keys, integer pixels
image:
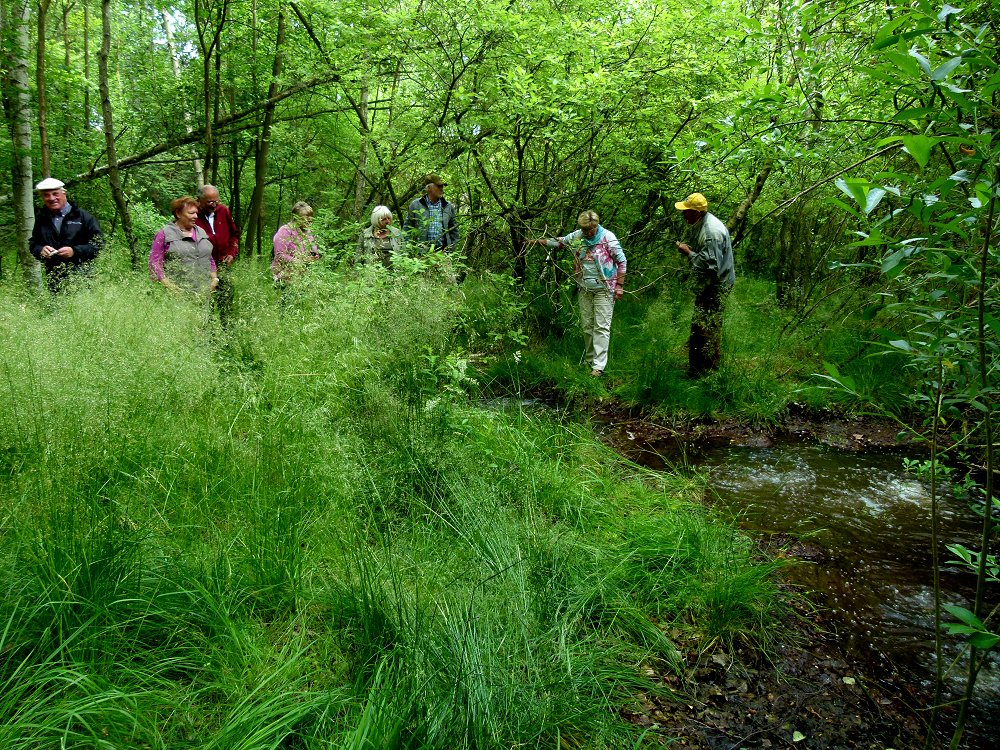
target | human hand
[
  {"x": 683, "y": 248},
  {"x": 228, "y": 260},
  {"x": 64, "y": 252},
  {"x": 619, "y": 293},
  {"x": 48, "y": 251},
  {"x": 215, "y": 282}
]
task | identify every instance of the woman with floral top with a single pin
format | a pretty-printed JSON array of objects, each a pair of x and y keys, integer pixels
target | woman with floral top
[
  {"x": 599, "y": 264},
  {"x": 294, "y": 245}
]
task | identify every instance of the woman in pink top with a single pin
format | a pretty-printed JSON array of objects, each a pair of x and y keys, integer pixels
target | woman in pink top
[
  {"x": 181, "y": 256},
  {"x": 294, "y": 245}
]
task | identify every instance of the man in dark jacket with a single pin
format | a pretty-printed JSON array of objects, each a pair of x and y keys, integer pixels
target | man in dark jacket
[
  {"x": 217, "y": 221},
  {"x": 430, "y": 222},
  {"x": 65, "y": 238}
]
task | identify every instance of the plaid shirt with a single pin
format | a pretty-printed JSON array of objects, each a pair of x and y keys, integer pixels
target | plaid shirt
[{"x": 434, "y": 226}]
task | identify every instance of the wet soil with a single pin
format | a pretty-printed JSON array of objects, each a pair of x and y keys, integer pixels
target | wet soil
[
  {"x": 804, "y": 693},
  {"x": 825, "y": 427},
  {"x": 811, "y": 688}
]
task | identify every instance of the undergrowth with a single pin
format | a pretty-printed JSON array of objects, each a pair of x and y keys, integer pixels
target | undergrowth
[{"x": 305, "y": 530}]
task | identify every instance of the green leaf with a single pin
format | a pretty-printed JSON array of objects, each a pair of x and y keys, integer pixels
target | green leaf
[
  {"x": 919, "y": 147},
  {"x": 849, "y": 209},
  {"x": 905, "y": 36},
  {"x": 915, "y": 113},
  {"x": 901, "y": 344},
  {"x": 945, "y": 69},
  {"x": 984, "y": 641},
  {"x": 854, "y": 188},
  {"x": 964, "y": 615},
  {"x": 992, "y": 323},
  {"x": 893, "y": 262},
  {"x": 923, "y": 62},
  {"x": 947, "y": 10},
  {"x": 874, "y": 197}
]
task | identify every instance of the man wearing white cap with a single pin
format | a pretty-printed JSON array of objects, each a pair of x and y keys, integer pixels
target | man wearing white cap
[
  {"x": 66, "y": 239},
  {"x": 712, "y": 261}
]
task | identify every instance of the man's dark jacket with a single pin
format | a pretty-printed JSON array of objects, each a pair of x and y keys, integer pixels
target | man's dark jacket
[{"x": 79, "y": 231}]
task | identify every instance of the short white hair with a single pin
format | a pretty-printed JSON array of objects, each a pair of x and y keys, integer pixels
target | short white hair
[{"x": 379, "y": 213}]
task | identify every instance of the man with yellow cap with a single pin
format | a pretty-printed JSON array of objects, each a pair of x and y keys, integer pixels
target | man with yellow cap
[
  {"x": 712, "y": 262},
  {"x": 65, "y": 238}
]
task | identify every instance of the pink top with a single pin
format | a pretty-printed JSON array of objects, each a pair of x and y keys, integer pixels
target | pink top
[
  {"x": 292, "y": 246},
  {"x": 159, "y": 252}
]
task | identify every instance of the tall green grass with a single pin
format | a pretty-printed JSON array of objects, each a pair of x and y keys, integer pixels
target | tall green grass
[
  {"x": 769, "y": 358},
  {"x": 305, "y": 531}
]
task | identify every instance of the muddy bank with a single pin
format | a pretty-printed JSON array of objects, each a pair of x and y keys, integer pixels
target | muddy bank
[
  {"x": 634, "y": 427},
  {"x": 850, "y": 666},
  {"x": 803, "y": 692}
]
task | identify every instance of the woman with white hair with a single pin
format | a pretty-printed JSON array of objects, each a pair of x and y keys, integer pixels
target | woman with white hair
[
  {"x": 599, "y": 264},
  {"x": 380, "y": 240},
  {"x": 294, "y": 245}
]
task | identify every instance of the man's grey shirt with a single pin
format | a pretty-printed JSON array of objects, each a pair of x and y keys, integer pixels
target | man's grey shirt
[{"x": 713, "y": 252}]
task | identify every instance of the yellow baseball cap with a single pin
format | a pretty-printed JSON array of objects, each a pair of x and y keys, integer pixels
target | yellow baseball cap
[{"x": 694, "y": 202}]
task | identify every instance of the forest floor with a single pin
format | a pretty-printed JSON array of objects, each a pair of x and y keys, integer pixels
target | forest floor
[
  {"x": 804, "y": 692},
  {"x": 808, "y": 690}
]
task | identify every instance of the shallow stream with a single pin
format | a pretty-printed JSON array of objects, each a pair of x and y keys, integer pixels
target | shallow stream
[{"x": 862, "y": 525}]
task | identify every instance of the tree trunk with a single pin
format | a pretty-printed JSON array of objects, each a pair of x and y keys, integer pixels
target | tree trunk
[
  {"x": 263, "y": 144},
  {"x": 43, "y": 131},
  {"x": 86, "y": 68},
  {"x": 17, "y": 105},
  {"x": 66, "y": 72},
  {"x": 168, "y": 32},
  {"x": 737, "y": 222},
  {"x": 208, "y": 49},
  {"x": 117, "y": 194},
  {"x": 216, "y": 99},
  {"x": 360, "y": 183}
]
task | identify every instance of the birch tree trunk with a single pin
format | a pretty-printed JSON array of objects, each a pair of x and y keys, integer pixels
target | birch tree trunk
[
  {"x": 17, "y": 105},
  {"x": 263, "y": 145},
  {"x": 117, "y": 194}
]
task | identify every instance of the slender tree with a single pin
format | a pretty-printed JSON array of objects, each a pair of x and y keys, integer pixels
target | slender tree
[
  {"x": 117, "y": 194},
  {"x": 255, "y": 213},
  {"x": 42, "y": 97},
  {"x": 15, "y": 19}
]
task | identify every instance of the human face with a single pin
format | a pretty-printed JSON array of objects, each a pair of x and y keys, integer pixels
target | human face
[
  {"x": 589, "y": 232},
  {"x": 208, "y": 201},
  {"x": 187, "y": 216},
  {"x": 434, "y": 192},
  {"x": 54, "y": 199},
  {"x": 691, "y": 216},
  {"x": 385, "y": 221}
]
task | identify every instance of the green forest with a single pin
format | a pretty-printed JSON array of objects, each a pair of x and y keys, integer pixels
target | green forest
[{"x": 336, "y": 516}]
